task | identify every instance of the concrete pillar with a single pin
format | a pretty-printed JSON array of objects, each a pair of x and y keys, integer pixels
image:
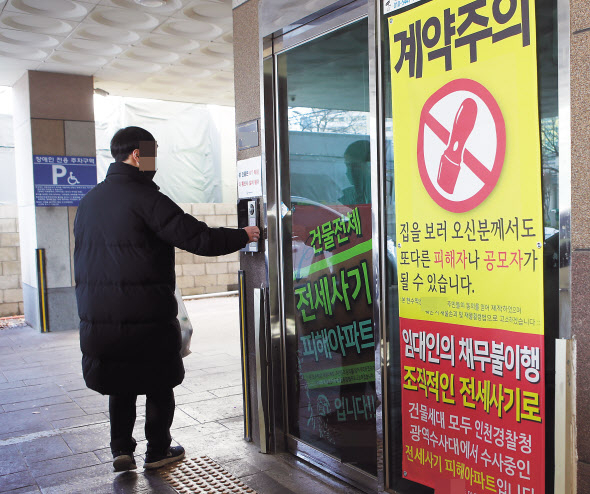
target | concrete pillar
[
  {"x": 247, "y": 58},
  {"x": 53, "y": 116},
  {"x": 580, "y": 229}
]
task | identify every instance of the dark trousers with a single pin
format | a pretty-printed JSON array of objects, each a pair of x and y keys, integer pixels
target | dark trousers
[{"x": 159, "y": 413}]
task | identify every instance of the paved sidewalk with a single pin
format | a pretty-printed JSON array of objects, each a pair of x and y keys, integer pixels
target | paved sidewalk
[{"x": 54, "y": 432}]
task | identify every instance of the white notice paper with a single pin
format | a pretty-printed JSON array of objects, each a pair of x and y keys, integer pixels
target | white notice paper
[{"x": 250, "y": 178}]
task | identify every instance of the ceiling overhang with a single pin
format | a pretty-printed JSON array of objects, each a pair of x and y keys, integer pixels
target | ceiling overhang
[{"x": 179, "y": 50}]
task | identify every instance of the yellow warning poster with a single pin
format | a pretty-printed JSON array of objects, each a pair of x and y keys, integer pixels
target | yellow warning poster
[{"x": 469, "y": 239}]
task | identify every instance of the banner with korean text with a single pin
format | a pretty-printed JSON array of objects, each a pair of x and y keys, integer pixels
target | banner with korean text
[
  {"x": 334, "y": 361},
  {"x": 469, "y": 245}
]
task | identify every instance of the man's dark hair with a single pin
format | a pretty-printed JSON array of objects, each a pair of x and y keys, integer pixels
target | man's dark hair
[
  {"x": 126, "y": 140},
  {"x": 358, "y": 152}
]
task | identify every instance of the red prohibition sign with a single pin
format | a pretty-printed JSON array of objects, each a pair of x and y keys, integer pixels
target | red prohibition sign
[{"x": 471, "y": 107}]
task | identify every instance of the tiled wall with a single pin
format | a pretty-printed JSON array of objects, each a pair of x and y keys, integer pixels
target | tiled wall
[
  {"x": 11, "y": 292},
  {"x": 194, "y": 275}
]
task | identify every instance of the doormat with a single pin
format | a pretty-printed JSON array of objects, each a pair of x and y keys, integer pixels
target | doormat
[{"x": 203, "y": 475}]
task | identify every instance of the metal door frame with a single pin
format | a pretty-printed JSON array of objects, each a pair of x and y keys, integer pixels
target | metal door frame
[{"x": 336, "y": 16}]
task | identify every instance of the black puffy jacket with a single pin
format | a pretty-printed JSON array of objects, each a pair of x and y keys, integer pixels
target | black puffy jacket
[{"x": 126, "y": 231}]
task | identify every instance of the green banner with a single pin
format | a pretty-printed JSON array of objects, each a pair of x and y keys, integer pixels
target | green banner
[
  {"x": 332, "y": 261},
  {"x": 338, "y": 376}
]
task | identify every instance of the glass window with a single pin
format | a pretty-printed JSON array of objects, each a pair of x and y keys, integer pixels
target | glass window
[{"x": 330, "y": 345}]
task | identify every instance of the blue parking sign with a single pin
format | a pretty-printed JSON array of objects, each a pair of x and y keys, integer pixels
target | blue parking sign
[{"x": 62, "y": 180}]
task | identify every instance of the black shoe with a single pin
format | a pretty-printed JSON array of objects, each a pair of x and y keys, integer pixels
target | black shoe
[
  {"x": 173, "y": 454},
  {"x": 123, "y": 462}
]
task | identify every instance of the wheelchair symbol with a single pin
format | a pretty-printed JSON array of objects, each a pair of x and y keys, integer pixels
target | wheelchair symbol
[{"x": 72, "y": 180}]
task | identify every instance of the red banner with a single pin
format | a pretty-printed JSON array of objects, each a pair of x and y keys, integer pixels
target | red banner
[{"x": 472, "y": 408}]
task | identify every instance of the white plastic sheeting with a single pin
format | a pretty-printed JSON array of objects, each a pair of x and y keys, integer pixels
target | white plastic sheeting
[
  {"x": 7, "y": 167},
  {"x": 196, "y": 153},
  {"x": 196, "y": 145}
]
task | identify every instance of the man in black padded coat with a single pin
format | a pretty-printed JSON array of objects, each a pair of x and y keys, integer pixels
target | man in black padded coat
[{"x": 125, "y": 232}]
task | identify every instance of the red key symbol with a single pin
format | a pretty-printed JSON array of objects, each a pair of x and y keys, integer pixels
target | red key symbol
[{"x": 450, "y": 162}]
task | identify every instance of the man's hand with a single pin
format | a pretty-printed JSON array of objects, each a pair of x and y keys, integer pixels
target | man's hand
[{"x": 253, "y": 233}]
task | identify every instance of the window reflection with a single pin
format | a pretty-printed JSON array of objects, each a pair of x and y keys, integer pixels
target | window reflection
[{"x": 330, "y": 349}]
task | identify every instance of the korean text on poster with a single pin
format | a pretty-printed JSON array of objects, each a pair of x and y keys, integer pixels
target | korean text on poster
[
  {"x": 250, "y": 178},
  {"x": 469, "y": 240},
  {"x": 62, "y": 180}
]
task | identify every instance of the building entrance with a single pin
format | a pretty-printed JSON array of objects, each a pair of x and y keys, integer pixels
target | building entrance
[{"x": 327, "y": 296}]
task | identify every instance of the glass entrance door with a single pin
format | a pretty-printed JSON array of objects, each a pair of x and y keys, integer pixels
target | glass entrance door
[{"x": 323, "y": 103}]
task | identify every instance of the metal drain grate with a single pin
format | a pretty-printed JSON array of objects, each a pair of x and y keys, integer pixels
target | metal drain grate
[{"x": 203, "y": 475}]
